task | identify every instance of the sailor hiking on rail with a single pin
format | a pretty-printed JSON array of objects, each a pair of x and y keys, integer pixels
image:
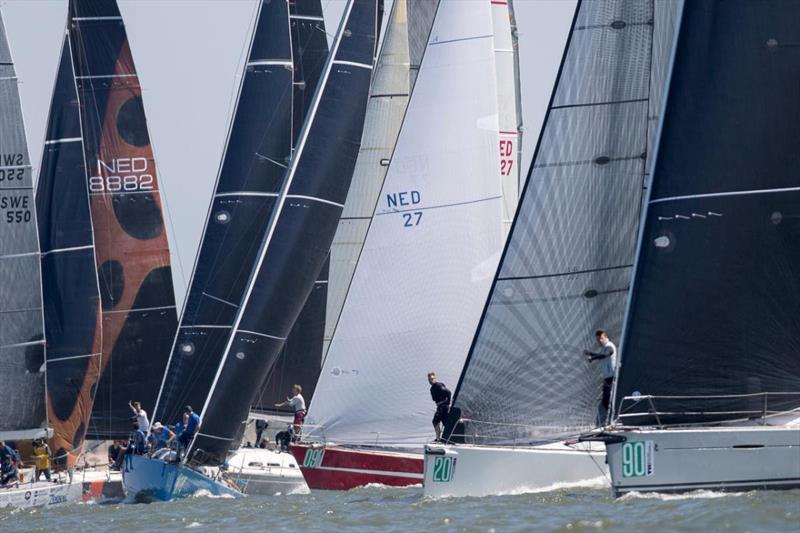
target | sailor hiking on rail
[{"x": 441, "y": 396}]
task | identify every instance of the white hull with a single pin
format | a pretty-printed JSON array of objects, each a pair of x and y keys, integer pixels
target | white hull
[
  {"x": 467, "y": 470},
  {"x": 41, "y": 494},
  {"x": 265, "y": 472},
  {"x": 682, "y": 460}
]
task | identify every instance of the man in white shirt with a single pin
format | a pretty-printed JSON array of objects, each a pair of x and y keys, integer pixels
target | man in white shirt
[
  {"x": 141, "y": 416},
  {"x": 607, "y": 355},
  {"x": 298, "y": 404}
]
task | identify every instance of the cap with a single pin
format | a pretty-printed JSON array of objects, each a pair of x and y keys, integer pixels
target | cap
[{"x": 157, "y": 425}]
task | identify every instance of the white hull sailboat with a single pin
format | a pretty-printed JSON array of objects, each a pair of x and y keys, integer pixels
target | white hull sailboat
[
  {"x": 470, "y": 470},
  {"x": 263, "y": 472}
]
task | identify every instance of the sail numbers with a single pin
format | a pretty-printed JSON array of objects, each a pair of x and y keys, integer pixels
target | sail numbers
[
  {"x": 506, "y": 157},
  {"x": 124, "y": 174},
  {"x": 15, "y": 208},
  {"x": 637, "y": 459},
  {"x": 405, "y": 199}
]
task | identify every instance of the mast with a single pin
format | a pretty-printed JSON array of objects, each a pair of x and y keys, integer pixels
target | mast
[
  {"x": 131, "y": 248},
  {"x": 22, "y": 350},
  {"x": 431, "y": 248},
  {"x": 71, "y": 292},
  {"x": 299, "y": 233},
  {"x": 711, "y": 331},
  {"x": 567, "y": 264}
]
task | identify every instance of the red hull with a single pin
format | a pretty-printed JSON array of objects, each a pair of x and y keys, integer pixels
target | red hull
[{"x": 336, "y": 468}]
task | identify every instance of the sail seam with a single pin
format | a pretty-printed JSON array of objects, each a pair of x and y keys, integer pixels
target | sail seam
[
  {"x": 16, "y": 166},
  {"x": 315, "y": 199},
  {"x": 571, "y": 273},
  {"x": 220, "y": 300},
  {"x": 476, "y": 37},
  {"x": 70, "y": 249},
  {"x": 15, "y": 256},
  {"x": 245, "y": 193},
  {"x": 139, "y": 310},
  {"x": 105, "y": 76},
  {"x": 206, "y": 326},
  {"x": 96, "y": 18},
  {"x": 307, "y": 17},
  {"x": 728, "y": 193},
  {"x": 261, "y": 334},
  {"x": 258, "y": 62},
  {"x": 20, "y": 344},
  {"x": 455, "y": 204},
  {"x": 213, "y": 436},
  {"x": 69, "y": 357},
  {"x": 353, "y": 64},
  {"x": 64, "y": 140},
  {"x": 596, "y": 104}
]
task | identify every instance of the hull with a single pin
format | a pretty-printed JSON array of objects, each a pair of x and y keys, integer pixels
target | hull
[
  {"x": 682, "y": 460},
  {"x": 146, "y": 479},
  {"x": 102, "y": 485},
  {"x": 41, "y": 494},
  {"x": 265, "y": 472},
  {"x": 466, "y": 470},
  {"x": 340, "y": 468}
]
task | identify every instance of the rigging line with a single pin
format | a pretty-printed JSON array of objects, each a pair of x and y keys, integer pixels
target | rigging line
[{"x": 473, "y": 38}]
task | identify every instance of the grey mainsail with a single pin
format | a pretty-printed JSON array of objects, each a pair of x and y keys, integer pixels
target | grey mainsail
[
  {"x": 22, "y": 364},
  {"x": 567, "y": 265}
]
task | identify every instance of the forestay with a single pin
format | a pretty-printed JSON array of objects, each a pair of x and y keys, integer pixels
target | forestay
[
  {"x": 431, "y": 249},
  {"x": 715, "y": 300},
  {"x": 299, "y": 233},
  {"x": 22, "y": 369},
  {"x": 567, "y": 264},
  {"x": 131, "y": 249}
]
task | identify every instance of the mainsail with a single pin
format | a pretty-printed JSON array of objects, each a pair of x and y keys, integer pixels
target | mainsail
[
  {"x": 131, "y": 250},
  {"x": 567, "y": 264},
  {"x": 712, "y": 321},
  {"x": 431, "y": 249},
  {"x": 300, "y": 358},
  {"x": 22, "y": 386}
]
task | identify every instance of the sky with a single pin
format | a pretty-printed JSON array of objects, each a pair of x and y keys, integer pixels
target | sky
[{"x": 189, "y": 55}]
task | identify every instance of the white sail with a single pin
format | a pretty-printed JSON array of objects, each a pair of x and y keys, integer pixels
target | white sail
[
  {"x": 431, "y": 250},
  {"x": 391, "y": 86},
  {"x": 508, "y": 108}
]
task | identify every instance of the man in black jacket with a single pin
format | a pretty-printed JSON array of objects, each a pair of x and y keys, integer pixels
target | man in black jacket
[{"x": 441, "y": 396}]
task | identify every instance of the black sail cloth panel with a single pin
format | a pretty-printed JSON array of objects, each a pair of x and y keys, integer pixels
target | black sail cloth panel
[
  {"x": 257, "y": 154},
  {"x": 303, "y": 229},
  {"x": 566, "y": 268},
  {"x": 22, "y": 369},
  {"x": 300, "y": 360},
  {"x": 131, "y": 249},
  {"x": 716, "y": 297},
  {"x": 69, "y": 275}
]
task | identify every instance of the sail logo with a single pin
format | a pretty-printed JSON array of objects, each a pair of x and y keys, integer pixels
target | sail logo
[
  {"x": 12, "y": 167},
  {"x": 123, "y": 174},
  {"x": 637, "y": 459},
  {"x": 444, "y": 468}
]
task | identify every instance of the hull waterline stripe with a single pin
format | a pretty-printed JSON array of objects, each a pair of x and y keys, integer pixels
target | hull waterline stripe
[
  {"x": 314, "y": 199},
  {"x": 353, "y": 64},
  {"x": 64, "y": 140},
  {"x": 260, "y": 334},
  {"x": 710, "y": 484},
  {"x": 720, "y": 194},
  {"x": 72, "y": 249}
]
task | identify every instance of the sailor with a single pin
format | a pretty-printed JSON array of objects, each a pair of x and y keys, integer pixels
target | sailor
[
  {"x": 160, "y": 437},
  {"x": 141, "y": 416},
  {"x": 9, "y": 473},
  {"x": 41, "y": 455},
  {"x": 297, "y": 403},
  {"x": 115, "y": 454},
  {"x": 6, "y": 451},
  {"x": 138, "y": 441},
  {"x": 607, "y": 355},
  {"x": 191, "y": 424},
  {"x": 261, "y": 425},
  {"x": 441, "y": 396}
]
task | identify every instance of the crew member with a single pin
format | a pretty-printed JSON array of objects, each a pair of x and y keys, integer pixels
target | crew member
[
  {"x": 297, "y": 403},
  {"x": 9, "y": 473},
  {"x": 441, "y": 397},
  {"x": 141, "y": 416},
  {"x": 607, "y": 355},
  {"x": 41, "y": 455},
  {"x": 191, "y": 426}
]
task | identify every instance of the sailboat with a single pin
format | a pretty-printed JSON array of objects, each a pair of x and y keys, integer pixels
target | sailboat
[
  {"x": 708, "y": 391},
  {"x": 432, "y": 243},
  {"x": 28, "y": 409},
  {"x": 526, "y": 390},
  {"x": 235, "y": 322}
]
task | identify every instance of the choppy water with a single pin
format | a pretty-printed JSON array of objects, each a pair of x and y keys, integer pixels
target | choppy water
[{"x": 388, "y": 509}]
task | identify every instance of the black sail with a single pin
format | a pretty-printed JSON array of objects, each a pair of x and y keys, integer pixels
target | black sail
[
  {"x": 301, "y": 229},
  {"x": 301, "y": 358},
  {"x": 716, "y": 295},
  {"x": 69, "y": 276},
  {"x": 567, "y": 265},
  {"x": 257, "y": 154}
]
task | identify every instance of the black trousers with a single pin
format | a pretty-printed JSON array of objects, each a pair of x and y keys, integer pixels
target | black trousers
[{"x": 607, "y": 384}]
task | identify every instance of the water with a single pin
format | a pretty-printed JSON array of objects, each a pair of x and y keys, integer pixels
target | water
[{"x": 388, "y": 509}]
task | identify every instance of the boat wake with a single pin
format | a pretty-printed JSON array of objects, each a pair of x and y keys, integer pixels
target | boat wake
[
  {"x": 202, "y": 493},
  {"x": 694, "y": 495},
  {"x": 381, "y": 486}
]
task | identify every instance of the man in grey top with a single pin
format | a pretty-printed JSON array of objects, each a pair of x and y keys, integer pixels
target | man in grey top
[{"x": 607, "y": 355}]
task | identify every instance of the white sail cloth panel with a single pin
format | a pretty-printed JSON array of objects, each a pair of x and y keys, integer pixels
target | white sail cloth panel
[
  {"x": 430, "y": 253},
  {"x": 385, "y": 111},
  {"x": 22, "y": 376},
  {"x": 508, "y": 110}
]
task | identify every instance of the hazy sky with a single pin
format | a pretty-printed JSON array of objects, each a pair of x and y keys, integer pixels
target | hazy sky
[{"x": 189, "y": 55}]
